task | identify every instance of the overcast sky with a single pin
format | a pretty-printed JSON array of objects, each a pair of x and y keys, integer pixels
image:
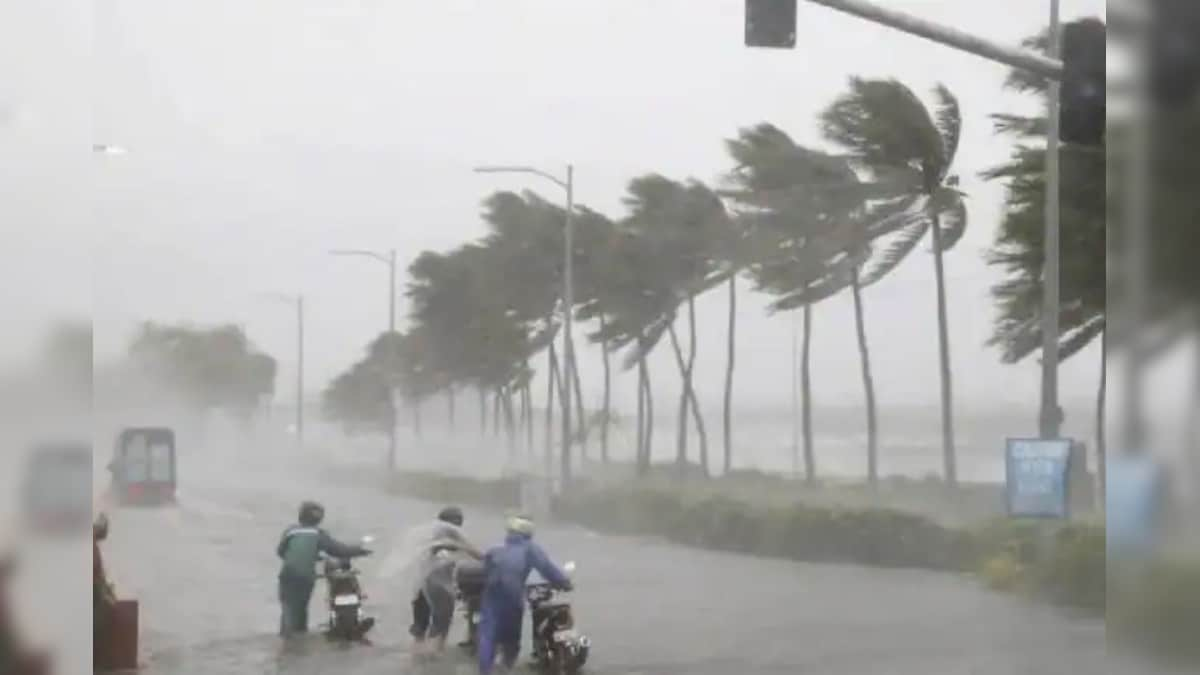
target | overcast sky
[{"x": 261, "y": 134}]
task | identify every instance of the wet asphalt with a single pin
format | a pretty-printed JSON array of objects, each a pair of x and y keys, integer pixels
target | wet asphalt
[{"x": 204, "y": 573}]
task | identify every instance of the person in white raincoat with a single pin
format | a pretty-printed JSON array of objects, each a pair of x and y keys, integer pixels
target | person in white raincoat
[{"x": 439, "y": 547}]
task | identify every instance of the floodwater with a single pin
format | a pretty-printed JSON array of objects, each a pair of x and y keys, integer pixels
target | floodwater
[{"x": 204, "y": 574}]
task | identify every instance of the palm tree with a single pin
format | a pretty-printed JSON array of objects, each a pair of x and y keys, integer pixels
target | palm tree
[
  {"x": 685, "y": 221},
  {"x": 635, "y": 298},
  {"x": 815, "y": 225},
  {"x": 890, "y": 133}
]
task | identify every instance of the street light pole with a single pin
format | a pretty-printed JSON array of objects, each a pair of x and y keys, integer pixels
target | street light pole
[
  {"x": 389, "y": 259},
  {"x": 1050, "y": 420},
  {"x": 300, "y": 370},
  {"x": 298, "y": 302},
  {"x": 568, "y": 343},
  {"x": 567, "y": 184}
]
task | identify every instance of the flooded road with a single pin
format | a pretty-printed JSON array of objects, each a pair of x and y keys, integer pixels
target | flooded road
[{"x": 204, "y": 573}]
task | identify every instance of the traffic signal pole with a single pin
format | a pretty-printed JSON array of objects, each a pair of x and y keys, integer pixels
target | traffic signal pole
[
  {"x": 1050, "y": 422},
  {"x": 1049, "y": 417},
  {"x": 951, "y": 37}
]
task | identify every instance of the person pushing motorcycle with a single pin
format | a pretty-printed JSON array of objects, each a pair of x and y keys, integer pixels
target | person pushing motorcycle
[
  {"x": 300, "y": 548},
  {"x": 433, "y": 600},
  {"x": 507, "y": 568}
]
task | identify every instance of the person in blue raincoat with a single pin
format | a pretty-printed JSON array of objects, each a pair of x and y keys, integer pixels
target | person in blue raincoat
[{"x": 507, "y": 568}]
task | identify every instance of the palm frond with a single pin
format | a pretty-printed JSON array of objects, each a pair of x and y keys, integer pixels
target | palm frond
[
  {"x": 948, "y": 118},
  {"x": 882, "y": 123},
  {"x": 1019, "y": 126},
  {"x": 951, "y": 211},
  {"x": 903, "y": 243}
]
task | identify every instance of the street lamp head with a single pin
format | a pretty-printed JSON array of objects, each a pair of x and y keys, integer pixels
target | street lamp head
[{"x": 105, "y": 149}]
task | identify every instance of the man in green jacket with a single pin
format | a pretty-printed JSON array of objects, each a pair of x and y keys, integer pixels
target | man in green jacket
[{"x": 300, "y": 548}]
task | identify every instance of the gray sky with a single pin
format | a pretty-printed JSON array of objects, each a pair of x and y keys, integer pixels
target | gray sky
[{"x": 263, "y": 133}]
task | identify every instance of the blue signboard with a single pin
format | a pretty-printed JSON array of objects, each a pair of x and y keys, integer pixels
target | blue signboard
[{"x": 1037, "y": 471}]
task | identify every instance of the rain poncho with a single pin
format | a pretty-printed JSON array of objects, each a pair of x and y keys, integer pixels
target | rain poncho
[
  {"x": 427, "y": 554},
  {"x": 508, "y": 567}
]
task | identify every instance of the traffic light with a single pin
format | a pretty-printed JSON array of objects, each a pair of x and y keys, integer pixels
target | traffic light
[
  {"x": 1175, "y": 51},
  {"x": 1082, "y": 108},
  {"x": 771, "y": 23}
]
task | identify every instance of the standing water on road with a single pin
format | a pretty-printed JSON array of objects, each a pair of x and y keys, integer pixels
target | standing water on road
[{"x": 649, "y": 607}]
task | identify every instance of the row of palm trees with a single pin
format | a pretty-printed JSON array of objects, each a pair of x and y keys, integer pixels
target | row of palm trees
[{"x": 802, "y": 224}]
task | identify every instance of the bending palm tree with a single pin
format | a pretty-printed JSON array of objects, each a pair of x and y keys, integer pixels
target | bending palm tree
[{"x": 903, "y": 144}]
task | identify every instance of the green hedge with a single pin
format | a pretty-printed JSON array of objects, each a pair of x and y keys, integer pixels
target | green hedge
[
  {"x": 1065, "y": 564},
  {"x": 879, "y": 537},
  {"x": 501, "y": 493}
]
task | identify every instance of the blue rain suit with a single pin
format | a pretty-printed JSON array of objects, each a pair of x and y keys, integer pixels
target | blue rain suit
[{"x": 508, "y": 567}]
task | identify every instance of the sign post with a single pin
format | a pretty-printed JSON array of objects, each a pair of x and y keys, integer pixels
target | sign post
[
  {"x": 1038, "y": 478},
  {"x": 1038, "y": 472}
]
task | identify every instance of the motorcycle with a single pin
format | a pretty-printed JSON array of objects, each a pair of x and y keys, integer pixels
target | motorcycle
[
  {"x": 469, "y": 577},
  {"x": 558, "y": 649},
  {"x": 347, "y": 620}
]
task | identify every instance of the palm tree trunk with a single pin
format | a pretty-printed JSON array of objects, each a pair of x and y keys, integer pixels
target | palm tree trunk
[
  {"x": 810, "y": 455},
  {"x": 1102, "y": 420},
  {"x": 607, "y": 401},
  {"x": 645, "y": 411},
  {"x": 416, "y": 411},
  {"x": 451, "y": 400},
  {"x": 701, "y": 433},
  {"x": 641, "y": 415},
  {"x": 527, "y": 418},
  {"x": 510, "y": 427},
  {"x": 497, "y": 409},
  {"x": 681, "y": 427},
  {"x": 483, "y": 412},
  {"x": 727, "y": 412},
  {"x": 795, "y": 370},
  {"x": 641, "y": 410},
  {"x": 551, "y": 378},
  {"x": 581, "y": 420},
  {"x": 864, "y": 354},
  {"x": 949, "y": 455}
]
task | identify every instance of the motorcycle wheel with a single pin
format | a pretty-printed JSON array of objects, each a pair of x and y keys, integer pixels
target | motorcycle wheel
[
  {"x": 560, "y": 662},
  {"x": 345, "y": 623}
]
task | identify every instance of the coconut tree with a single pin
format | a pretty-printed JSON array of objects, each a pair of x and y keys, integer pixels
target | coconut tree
[
  {"x": 683, "y": 221},
  {"x": 891, "y": 134},
  {"x": 595, "y": 239},
  {"x": 635, "y": 300},
  {"x": 815, "y": 228}
]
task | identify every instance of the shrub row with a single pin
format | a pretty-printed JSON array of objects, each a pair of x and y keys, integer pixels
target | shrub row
[
  {"x": 501, "y": 493},
  {"x": 1065, "y": 564},
  {"x": 878, "y": 537}
]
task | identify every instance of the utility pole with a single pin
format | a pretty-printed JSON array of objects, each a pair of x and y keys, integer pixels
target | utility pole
[
  {"x": 387, "y": 258},
  {"x": 567, "y": 184},
  {"x": 297, "y": 302},
  {"x": 1050, "y": 419},
  {"x": 568, "y": 343},
  {"x": 300, "y": 370}
]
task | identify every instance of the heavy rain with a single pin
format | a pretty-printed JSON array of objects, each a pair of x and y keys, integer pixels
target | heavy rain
[{"x": 623, "y": 337}]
